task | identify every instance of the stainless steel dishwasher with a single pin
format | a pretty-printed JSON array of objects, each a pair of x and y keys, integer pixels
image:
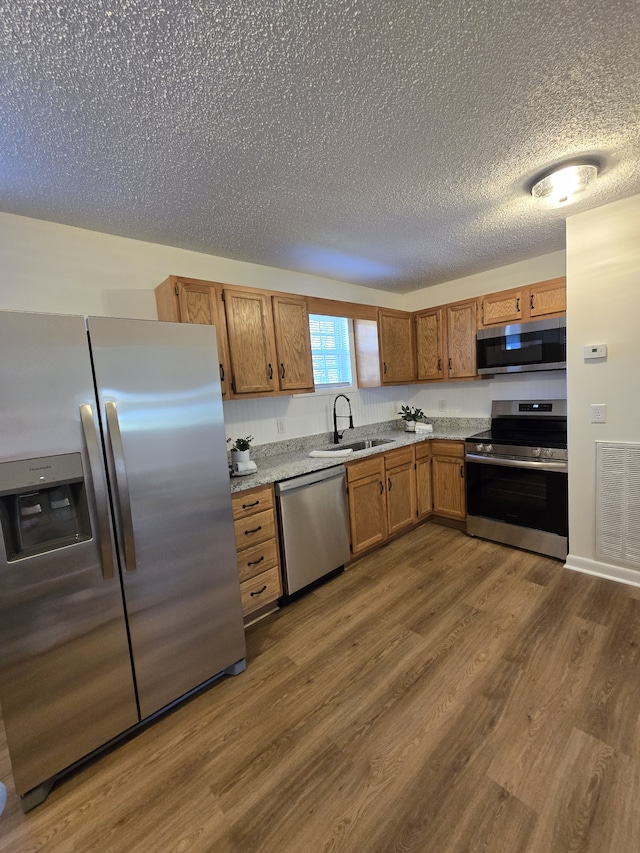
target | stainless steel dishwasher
[{"x": 314, "y": 526}]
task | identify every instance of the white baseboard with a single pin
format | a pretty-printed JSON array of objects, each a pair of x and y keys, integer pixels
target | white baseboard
[{"x": 620, "y": 574}]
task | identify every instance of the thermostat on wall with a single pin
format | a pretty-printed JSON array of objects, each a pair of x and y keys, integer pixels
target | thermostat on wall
[{"x": 596, "y": 351}]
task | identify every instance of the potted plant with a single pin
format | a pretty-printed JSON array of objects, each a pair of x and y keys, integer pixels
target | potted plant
[
  {"x": 410, "y": 415},
  {"x": 240, "y": 450}
]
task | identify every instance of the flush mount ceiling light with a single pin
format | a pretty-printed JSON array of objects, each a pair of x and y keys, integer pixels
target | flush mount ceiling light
[{"x": 564, "y": 185}]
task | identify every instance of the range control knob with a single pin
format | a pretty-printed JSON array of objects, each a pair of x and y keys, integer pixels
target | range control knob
[
  {"x": 488, "y": 448},
  {"x": 536, "y": 451},
  {"x": 479, "y": 448},
  {"x": 548, "y": 453}
]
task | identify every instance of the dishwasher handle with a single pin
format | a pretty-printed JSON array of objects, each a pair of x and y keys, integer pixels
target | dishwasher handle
[{"x": 312, "y": 479}]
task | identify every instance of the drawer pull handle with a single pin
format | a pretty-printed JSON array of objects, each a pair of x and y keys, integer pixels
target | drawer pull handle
[
  {"x": 282, "y": 370},
  {"x": 221, "y": 366},
  {"x": 259, "y": 591},
  {"x": 255, "y": 530},
  {"x": 246, "y": 506},
  {"x": 270, "y": 371},
  {"x": 381, "y": 488},
  {"x": 390, "y": 483},
  {"x": 255, "y": 562}
]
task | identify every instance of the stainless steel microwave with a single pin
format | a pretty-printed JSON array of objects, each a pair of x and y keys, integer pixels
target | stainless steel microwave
[{"x": 521, "y": 347}]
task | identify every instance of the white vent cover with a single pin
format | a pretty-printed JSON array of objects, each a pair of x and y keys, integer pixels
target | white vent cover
[{"x": 618, "y": 502}]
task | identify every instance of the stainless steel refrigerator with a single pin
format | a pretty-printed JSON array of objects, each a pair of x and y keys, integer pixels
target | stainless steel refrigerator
[{"x": 119, "y": 589}]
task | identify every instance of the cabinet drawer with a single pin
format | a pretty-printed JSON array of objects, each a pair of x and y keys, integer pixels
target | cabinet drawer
[
  {"x": 255, "y": 528},
  {"x": 260, "y": 590},
  {"x": 250, "y": 502},
  {"x": 256, "y": 559},
  {"x": 402, "y": 456},
  {"x": 423, "y": 449},
  {"x": 366, "y": 468},
  {"x": 448, "y": 448}
]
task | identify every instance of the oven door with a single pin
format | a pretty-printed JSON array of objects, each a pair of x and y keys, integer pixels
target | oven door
[{"x": 523, "y": 493}]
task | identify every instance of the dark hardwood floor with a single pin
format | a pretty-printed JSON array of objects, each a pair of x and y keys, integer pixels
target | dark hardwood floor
[{"x": 444, "y": 695}]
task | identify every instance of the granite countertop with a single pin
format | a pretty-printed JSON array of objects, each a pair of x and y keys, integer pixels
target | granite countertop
[{"x": 285, "y": 459}]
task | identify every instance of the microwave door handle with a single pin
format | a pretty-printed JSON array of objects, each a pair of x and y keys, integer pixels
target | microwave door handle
[
  {"x": 122, "y": 486},
  {"x": 99, "y": 490},
  {"x": 516, "y": 463}
]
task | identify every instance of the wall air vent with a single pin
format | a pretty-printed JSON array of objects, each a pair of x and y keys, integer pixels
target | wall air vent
[{"x": 618, "y": 502}]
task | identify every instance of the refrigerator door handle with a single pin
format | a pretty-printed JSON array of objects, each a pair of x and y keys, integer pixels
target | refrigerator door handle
[
  {"x": 122, "y": 485},
  {"x": 99, "y": 490}
]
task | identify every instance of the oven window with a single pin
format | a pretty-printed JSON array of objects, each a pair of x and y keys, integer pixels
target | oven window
[{"x": 523, "y": 496}]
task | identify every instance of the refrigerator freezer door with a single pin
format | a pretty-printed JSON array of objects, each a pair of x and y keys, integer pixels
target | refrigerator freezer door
[
  {"x": 66, "y": 685},
  {"x": 161, "y": 409}
]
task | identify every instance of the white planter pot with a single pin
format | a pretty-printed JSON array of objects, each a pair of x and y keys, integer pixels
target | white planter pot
[
  {"x": 239, "y": 456},
  {"x": 409, "y": 426}
]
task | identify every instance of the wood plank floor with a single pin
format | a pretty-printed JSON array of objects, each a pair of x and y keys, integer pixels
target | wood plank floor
[{"x": 444, "y": 695}]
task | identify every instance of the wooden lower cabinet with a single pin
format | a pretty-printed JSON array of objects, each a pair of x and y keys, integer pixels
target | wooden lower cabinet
[
  {"x": 382, "y": 497},
  {"x": 449, "y": 487},
  {"x": 401, "y": 489},
  {"x": 392, "y": 492},
  {"x": 367, "y": 503},
  {"x": 424, "y": 491},
  {"x": 257, "y": 548}
]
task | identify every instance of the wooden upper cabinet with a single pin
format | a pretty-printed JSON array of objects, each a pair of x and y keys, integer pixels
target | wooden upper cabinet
[
  {"x": 543, "y": 299},
  {"x": 252, "y": 348},
  {"x": 498, "y": 309},
  {"x": 461, "y": 340},
  {"x": 397, "y": 358},
  {"x": 429, "y": 344},
  {"x": 548, "y": 297},
  {"x": 189, "y": 300},
  {"x": 293, "y": 343}
]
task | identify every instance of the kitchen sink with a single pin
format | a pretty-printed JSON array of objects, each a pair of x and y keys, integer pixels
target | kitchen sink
[{"x": 365, "y": 444}]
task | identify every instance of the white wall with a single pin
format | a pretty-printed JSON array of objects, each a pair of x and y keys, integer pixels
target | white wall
[
  {"x": 603, "y": 283},
  {"x": 501, "y": 278},
  {"x": 56, "y": 268}
]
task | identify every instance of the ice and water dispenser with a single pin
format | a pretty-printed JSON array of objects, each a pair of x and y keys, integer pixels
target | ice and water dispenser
[{"x": 43, "y": 504}]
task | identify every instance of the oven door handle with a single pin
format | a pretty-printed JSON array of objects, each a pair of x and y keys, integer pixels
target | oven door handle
[{"x": 516, "y": 463}]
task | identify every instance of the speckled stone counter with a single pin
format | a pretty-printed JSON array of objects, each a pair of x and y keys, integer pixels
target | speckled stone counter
[{"x": 284, "y": 459}]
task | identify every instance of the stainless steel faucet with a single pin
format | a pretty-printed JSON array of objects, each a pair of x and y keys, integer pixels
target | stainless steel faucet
[{"x": 338, "y": 435}]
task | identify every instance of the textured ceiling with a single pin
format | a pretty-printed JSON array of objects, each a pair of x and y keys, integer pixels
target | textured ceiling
[{"x": 383, "y": 142}]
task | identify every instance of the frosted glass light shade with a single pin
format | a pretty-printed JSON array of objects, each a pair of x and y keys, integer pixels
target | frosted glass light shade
[{"x": 565, "y": 186}]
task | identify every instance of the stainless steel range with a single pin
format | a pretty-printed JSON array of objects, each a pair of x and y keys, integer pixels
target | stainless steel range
[{"x": 517, "y": 477}]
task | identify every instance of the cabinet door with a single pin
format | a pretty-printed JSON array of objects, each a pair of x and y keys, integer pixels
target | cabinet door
[
  {"x": 200, "y": 303},
  {"x": 501, "y": 308},
  {"x": 251, "y": 342},
  {"x": 448, "y": 487},
  {"x": 184, "y": 300},
  {"x": 548, "y": 297},
  {"x": 424, "y": 493},
  {"x": 461, "y": 340},
  {"x": 367, "y": 512},
  {"x": 397, "y": 360},
  {"x": 429, "y": 345},
  {"x": 293, "y": 343},
  {"x": 401, "y": 497}
]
